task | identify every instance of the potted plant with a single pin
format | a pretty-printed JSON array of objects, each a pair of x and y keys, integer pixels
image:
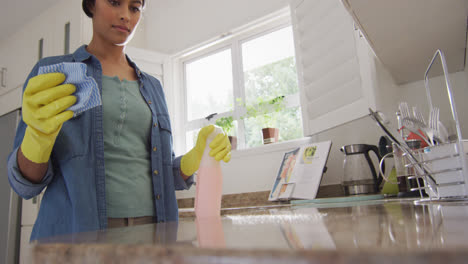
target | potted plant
[
  {"x": 266, "y": 111},
  {"x": 227, "y": 124}
]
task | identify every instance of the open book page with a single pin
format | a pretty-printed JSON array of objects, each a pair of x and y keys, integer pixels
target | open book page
[
  {"x": 300, "y": 172},
  {"x": 284, "y": 175}
]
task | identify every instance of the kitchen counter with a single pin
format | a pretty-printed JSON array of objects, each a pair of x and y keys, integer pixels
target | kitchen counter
[{"x": 372, "y": 231}]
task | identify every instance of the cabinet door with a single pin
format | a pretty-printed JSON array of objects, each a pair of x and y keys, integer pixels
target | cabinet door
[
  {"x": 18, "y": 57},
  {"x": 66, "y": 32},
  {"x": 25, "y": 246},
  {"x": 19, "y": 53},
  {"x": 3, "y": 72},
  {"x": 328, "y": 64},
  {"x": 30, "y": 209}
]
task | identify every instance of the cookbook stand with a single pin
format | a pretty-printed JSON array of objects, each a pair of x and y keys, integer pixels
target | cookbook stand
[{"x": 442, "y": 167}]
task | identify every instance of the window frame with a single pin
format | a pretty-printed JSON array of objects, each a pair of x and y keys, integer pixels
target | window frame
[{"x": 232, "y": 40}]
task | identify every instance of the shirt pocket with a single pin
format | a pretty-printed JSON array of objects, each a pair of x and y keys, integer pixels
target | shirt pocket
[
  {"x": 165, "y": 133},
  {"x": 72, "y": 141}
]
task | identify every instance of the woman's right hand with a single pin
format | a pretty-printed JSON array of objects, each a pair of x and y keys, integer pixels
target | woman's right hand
[{"x": 45, "y": 100}]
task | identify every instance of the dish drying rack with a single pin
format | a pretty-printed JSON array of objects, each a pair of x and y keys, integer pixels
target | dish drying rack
[{"x": 443, "y": 168}]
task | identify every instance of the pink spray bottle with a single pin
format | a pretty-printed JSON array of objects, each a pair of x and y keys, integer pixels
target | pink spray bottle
[{"x": 209, "y": 182}]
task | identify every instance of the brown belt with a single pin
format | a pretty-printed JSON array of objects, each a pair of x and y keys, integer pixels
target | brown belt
[{"x": 129, "y": 221}]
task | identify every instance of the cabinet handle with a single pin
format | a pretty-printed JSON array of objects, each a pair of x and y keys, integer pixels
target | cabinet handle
[{"x": 4, "y": 77}]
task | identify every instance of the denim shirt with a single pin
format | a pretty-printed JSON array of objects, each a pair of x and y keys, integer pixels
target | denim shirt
[{"x": 75, "y": 198}]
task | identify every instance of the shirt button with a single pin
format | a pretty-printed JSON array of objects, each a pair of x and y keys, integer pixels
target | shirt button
[
  {"x": 155, "y": 124},
  {"x": 154, "y": 149},
  {"x": 158, "y": 197},
  {"x": 156, "y": 172},
  {"x": 149, "y": 102}
]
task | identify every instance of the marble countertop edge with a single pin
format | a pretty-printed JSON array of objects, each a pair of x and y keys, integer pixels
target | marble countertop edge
[{"x": 142, "y": 253}]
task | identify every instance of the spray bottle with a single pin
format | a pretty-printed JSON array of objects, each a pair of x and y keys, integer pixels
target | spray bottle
[{"x": 209, "y": 182}]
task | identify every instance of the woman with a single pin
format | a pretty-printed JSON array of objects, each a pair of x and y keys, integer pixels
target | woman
[{"x": 112, "y": 165}]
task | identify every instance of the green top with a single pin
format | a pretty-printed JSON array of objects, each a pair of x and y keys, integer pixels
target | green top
[{"x": 127, "y": 126}]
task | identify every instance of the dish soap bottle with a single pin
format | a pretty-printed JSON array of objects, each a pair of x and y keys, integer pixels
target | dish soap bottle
[{"x": 209, "y": 182}]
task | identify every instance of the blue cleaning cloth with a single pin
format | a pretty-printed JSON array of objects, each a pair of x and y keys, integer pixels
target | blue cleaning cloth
[{"x": 87, "y": 91}]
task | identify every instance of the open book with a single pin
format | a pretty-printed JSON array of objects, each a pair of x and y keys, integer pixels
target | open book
[{"x": 300, "y": 172}]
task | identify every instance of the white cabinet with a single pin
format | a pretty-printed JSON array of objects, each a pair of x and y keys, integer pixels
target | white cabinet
[
  {"x": 333, "y": 65},
  {"x": 18, "y": 56},
  {"x": 30, "y": 209},
  {"x": 25, "y": 246},
  {"x": 405, "y": 34},
  {"x": 21, "y": 50},
  {"x": 3, "y": 72},
  {"x": 18, "y": 53}
]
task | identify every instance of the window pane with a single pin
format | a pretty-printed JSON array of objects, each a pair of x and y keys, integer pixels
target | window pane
[
  {"x": 269, "y": 66},
  {"x": 209, "y": 85},
  {"x": 191, "y": 139},
  {"x": 288, "y": 121}
]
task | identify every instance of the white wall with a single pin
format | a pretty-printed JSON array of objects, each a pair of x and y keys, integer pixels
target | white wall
[
  {"x": 173, "y": 26},
  {"x": 415, "y": 94}
]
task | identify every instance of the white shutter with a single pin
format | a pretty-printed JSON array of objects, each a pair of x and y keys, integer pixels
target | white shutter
[{"x": 328, "y": 66}]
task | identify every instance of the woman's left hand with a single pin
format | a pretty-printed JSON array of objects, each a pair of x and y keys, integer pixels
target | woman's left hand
[{"x": 221, "y": 148}]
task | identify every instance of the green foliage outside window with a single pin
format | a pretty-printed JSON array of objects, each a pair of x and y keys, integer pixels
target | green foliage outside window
[
  {"x": 265, "y": 111},
  {"x": 263, "y": 84},
  {"x": 226, "y": 123},
  {"x": 272, "y": 80}
]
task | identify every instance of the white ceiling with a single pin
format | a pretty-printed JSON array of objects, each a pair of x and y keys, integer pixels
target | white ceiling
[{"x": 16, "y": 13}]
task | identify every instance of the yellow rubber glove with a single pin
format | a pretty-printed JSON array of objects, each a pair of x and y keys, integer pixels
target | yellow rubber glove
[
  {"x": 220, "y": 150},
  {"x": 44, "y": 105}
]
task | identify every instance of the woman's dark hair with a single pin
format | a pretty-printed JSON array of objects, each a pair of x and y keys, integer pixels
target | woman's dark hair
[{"x": 86, "y": 4}]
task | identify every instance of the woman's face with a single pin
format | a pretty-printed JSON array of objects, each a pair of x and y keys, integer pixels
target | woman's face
[{"x": 115, "y": 21}]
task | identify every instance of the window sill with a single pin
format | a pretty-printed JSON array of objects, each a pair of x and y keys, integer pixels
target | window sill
[{"x": 274, "y": 147}]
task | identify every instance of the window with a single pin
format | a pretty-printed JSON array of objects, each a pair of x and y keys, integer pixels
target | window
[
  {"x": 269, "y": 71},
  {"x": 243, "y": 70}
]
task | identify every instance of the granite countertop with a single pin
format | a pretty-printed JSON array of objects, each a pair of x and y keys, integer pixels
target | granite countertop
[{"x": 372, "y": 231}]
